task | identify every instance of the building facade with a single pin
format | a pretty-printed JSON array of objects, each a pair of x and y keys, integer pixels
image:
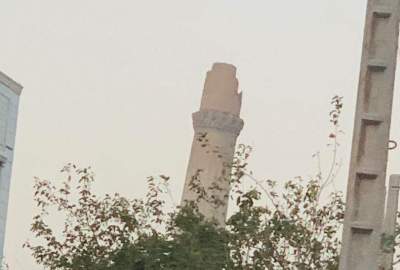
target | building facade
[{"x": 9, "y": 99}]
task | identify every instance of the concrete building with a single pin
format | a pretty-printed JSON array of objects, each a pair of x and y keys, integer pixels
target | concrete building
[
  {"x": 9, "y": 98},
  {"x": 217, "y": 125}
]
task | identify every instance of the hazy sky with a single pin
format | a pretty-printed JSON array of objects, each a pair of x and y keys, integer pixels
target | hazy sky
[{"x": 113, "y": 84}]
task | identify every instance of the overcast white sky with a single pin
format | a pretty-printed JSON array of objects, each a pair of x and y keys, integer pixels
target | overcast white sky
[{"x": 113, "y": 84}]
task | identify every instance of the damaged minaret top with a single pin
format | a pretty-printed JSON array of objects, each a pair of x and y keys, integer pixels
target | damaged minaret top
[{"x": 221, "y": 90}]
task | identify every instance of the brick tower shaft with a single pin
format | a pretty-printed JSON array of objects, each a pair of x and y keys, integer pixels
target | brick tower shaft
[{"x": 216, "y": 126}]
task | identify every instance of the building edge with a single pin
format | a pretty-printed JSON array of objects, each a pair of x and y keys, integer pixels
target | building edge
[{"x": 11, "y": 84}]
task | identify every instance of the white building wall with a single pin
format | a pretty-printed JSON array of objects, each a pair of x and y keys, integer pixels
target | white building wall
[{"x": 9, "y": 99}]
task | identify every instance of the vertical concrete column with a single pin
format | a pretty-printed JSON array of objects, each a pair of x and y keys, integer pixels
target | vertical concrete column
[
  {"x": 217, "y": 125},
  {"x": 365, "y": 202},
  {"x": 389, "y": 225}
]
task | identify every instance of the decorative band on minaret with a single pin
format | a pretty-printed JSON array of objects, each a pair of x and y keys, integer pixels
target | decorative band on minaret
[
  {"x": 217, "y": 125},
  {"x": 220, "y": 121}
]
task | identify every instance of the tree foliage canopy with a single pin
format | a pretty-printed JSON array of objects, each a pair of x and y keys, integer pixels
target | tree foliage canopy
[{"x": 292, "y": 231}]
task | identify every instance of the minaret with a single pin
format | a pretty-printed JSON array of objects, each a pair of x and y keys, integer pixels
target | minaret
[
  {"x": 9, "y": 99},
  {"x": 216, "y": 125},
  {"x": 366, "y": 189}
]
